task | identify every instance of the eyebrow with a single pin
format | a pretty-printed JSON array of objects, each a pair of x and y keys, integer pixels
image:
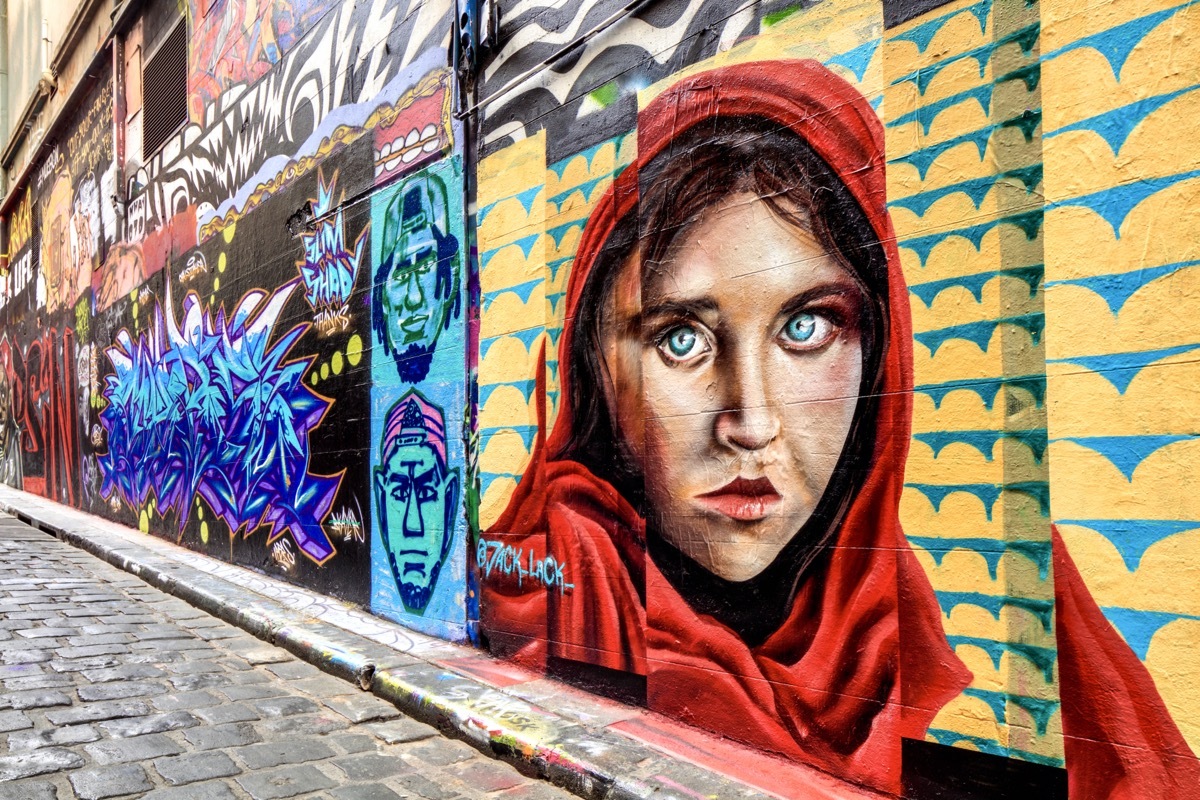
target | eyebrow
[
  {"x": 681, "y": 308},
  {"x": 849, "y": 289},
  {"x": 418, "y": 477}
]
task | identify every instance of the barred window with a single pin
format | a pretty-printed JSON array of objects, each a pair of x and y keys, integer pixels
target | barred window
[{"x": 164, "y": 87}]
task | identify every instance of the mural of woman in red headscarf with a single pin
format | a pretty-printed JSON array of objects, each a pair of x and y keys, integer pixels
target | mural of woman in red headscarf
[{"x": 722, "y": 484}]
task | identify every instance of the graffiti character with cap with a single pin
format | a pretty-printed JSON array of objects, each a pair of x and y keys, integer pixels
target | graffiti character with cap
[
  {"x": 415, "y": 294},
  {"x": 416, "y": 497}
]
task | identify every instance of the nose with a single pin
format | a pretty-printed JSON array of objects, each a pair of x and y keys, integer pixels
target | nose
[
  {"x": 414, "y": 526},
  {"x": 414, "y": 298},
  {"x": 749, "y": 419}
]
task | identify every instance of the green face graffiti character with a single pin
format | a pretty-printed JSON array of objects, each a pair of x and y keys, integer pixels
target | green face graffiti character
[
  {"x": 416, "y": 497},
  {"x": 415, "y": 294}
]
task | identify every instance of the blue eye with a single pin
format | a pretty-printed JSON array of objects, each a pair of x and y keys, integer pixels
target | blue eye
[
  {"x": 807, "y": 331},
  {"x": 682, "y": 343},
  {"x": 800, "y": 328}
]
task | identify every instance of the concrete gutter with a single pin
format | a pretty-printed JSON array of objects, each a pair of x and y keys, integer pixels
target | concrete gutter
[{"x": 590, "y": 761}]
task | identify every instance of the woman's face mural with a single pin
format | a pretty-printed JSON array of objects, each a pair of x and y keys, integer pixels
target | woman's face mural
[{"x": 735, "y": 372}]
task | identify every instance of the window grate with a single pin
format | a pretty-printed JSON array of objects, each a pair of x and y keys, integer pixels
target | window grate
[{"x": 164, "y": 89}]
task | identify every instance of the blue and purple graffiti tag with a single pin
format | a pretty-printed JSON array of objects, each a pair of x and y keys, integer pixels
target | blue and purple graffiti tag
[{"x": 207, "y": 408}]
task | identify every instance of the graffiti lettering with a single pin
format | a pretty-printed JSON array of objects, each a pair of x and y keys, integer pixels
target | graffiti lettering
[
  {"x": 281, "y": 554},
  {"x": 19, "y": 277},
  {"x": 47, "y": 168},
  {"x": 509, "y": 560},
  {"x": 22, "y": 224},
  {"x": 328, "y": 269},
  {"x": 203, "y": 406},
  {"x": 346, "y": 524},
  {"x": 41, "y": 378}
]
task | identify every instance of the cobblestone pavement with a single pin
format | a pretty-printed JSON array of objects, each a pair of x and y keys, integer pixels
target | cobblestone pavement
[{"x": 112, "y": 688}]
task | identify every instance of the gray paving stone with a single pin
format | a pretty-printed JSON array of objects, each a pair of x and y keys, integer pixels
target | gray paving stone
[
  {"x": 25, "y": 656},
  {"x": 160, "y": 630},
  {"x": 257, "y": 652},
  {"x": 213, "y": 737},
  {"x": 13, "y": 721},
  {"x": 37, "y": 698},
  {"x": 89, "y": 639},
  {"x": 285, "y": 707},
  {"x": 287, "y": 782},
  {"x": 187, "y": 701},
  {"x": 231, "y": 712},
  {"x": 122, "y": 673},
  {"x": 423, "y": 787},
  {"x": 324, "y": 686},
  {"x": 80, "y": 664},
  {"x": 139, "y": 748},
  {"x": 364, "y": 791},
  {"x": 121, "y": 690},
  {"x": 155, "y": 723},
  {"x": 249, "y": 676},
  {"x": 215, "y": 634},
  {"x": 196, "y": 767},
  {"x": 252, "y": 692},
  {"x": 189, "y": 683},
  {"x": 213, "y": 790},
  {"x": 51, "y": 681},
  {"x": 362, "y": 708},
  {"x": 534, "y": 791},
  {"x": 273, "y": 754},
  {"x": 369, "y": 767},
  {"x": 294, "y": 670},
  {"x": 97, "y": 784},
  {"x": 20, "y": 670},
  {"x": 67, "y": 735},
  {"x": 194, "y": 667},
  {"x": 487, "y": 775},
  {"x": 91, "y": 650},
  {"x": 171, "y": 644},
  {"x": 304, "y": 725},
  {"x": 99, "y": 629},
  {"x": 38, "y": 762},
  {"x": 402, "y": 729},
  {"x": 98, "y": 712},
  {"x": 28, "y": 790},
  {"x": 355, "y": 743},
  {"x": 442, "y": 752},
  {"x": 47, "y": 633}
]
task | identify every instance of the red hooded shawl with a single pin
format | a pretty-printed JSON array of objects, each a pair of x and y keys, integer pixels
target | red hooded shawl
[{"x": 862, "y": 659}]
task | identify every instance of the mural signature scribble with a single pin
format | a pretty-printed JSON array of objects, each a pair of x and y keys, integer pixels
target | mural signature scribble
[
  {"x": 208, "y": 406},
  {"x": 504, "y": 559}
]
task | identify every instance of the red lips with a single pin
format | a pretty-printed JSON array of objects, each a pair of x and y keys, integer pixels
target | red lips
[{"x": 743, "y": 499}]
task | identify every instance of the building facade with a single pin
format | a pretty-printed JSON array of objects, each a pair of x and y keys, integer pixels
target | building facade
[{"x": 814, "y": 373}]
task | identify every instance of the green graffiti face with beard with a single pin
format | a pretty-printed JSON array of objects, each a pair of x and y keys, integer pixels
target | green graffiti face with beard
[{"x": 415, "y": 294}]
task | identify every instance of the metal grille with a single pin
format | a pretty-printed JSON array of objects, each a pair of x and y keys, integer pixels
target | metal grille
[{"x": 164, "y": 91}]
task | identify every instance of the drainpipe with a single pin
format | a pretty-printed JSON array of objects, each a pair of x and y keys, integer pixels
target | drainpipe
[{"x": 3, "y": 86}]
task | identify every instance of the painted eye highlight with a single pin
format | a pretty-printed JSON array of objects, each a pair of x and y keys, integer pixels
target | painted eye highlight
[
  {"x": 681, "y": 344},
  {"x": 807, "y": 331}
]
